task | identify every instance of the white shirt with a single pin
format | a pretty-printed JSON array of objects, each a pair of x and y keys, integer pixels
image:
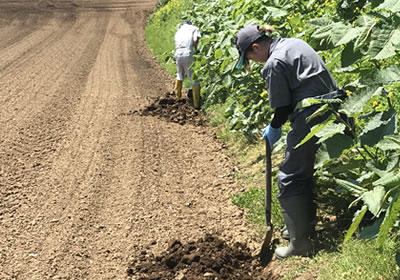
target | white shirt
[{"x": 184, "y": 38}]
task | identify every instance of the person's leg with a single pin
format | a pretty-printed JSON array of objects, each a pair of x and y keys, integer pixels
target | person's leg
[
  {"x": 180, "y": 76},
  {"x": 195, "y": 84},
  {"x": 313, "y": 222},
  {"x": 196, "y": 95},
  {"x": 178, "y": 88},
  {"x": 295, "y": 180},
  {"x": 295, "y": 212}
]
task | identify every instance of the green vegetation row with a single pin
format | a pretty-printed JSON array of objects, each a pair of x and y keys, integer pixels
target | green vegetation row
[{"x": 360, "y": 42}]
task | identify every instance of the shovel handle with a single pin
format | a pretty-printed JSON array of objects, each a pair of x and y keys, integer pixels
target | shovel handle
[{"x": 268, "y": 183}]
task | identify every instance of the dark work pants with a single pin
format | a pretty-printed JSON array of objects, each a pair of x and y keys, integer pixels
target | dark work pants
[{"x": 295, "y": 176}]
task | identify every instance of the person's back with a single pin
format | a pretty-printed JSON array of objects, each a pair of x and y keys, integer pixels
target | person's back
[
  {"x": 184, "y": 39},
  {"x": 294, "y": 71}
]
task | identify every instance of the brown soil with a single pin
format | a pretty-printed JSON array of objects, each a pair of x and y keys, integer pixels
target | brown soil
[
  {"x": 207, "y": 258},
  {"x": 100, "y": 166},
  {"x": 168, "y": 108}
]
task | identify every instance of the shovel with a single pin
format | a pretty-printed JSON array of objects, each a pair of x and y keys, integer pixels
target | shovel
[{"x": 267, "y": 251}]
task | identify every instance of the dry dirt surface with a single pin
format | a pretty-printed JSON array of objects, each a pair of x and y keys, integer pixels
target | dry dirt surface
[{"x": 103, "y": 173}]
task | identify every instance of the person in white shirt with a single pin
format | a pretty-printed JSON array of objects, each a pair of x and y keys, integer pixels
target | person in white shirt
[{"x": 186, "y": 41}]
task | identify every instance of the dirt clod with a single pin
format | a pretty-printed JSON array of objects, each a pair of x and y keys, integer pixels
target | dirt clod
[
  {"x": 168, "y": 107},
  {"x": 207, "y": 258}
]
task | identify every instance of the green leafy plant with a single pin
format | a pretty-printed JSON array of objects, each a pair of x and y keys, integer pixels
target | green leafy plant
[
  {"x": 365, "y": 164},
  {"x": 361, "y": 158}
]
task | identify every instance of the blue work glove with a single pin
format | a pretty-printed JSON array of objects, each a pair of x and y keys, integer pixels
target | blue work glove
[{"x": 273, "y": 134}]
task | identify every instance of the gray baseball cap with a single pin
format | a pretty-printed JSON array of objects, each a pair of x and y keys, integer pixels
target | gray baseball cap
[{"x": 244, "y": 39}]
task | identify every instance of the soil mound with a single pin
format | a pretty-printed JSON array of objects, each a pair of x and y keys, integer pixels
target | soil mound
[
  {"x": 207, "y": 258},
  {"x": 171, "y": 109}
]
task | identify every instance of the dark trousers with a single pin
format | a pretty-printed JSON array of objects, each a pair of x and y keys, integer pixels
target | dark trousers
[{"x": 295, "y": 176}]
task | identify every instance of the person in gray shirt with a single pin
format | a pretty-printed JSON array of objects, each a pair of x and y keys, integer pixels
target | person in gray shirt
[{"x": 292, "y": 71}]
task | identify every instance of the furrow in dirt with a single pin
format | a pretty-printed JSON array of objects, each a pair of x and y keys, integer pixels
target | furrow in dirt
[
  {"x": 35, "y": 78},
  {"x": 26, "y": 43},
  {"x": 15, "y": 27},
  {"x": 27, "y": 153},
  {"x": 77, "y": 167}
]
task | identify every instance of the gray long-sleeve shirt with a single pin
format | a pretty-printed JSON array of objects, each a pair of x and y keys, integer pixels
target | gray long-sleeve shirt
[{"x": 294, "y": 71}]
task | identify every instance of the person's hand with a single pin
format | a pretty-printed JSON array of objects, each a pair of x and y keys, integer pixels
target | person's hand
[{"x": 273, "y": 134}]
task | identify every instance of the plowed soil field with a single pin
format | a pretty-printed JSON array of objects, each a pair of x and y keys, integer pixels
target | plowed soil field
[{"x": 103, "y": 173}]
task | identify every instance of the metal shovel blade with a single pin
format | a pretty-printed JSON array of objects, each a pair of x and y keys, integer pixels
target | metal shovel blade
[{"x": 266, "y": 252}]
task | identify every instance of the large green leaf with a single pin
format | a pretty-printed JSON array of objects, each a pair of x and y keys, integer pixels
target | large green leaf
[
  {"x": 385, "y": 42},
  {"x": 315, "y": 129},
  {"x": 233, "y": 52},
  {"x": 319, "y": 112},
  {"x": 332, "y": 148},
  {"x": 376, "y": 3},
  {"x": 276, "y": 13},
  {"x": 372, "y": 231},
  {"x": 350, "y": 185},
  {"x": 329, "y": 131},
  {"x": 390, "y": 180},
  {"x": 319, "y": 22},
  {"x": 322, "y": 156},
  {"x": 371, "y": 165},
  {"x": 382, "y": 124},
  {"x": 379, "y": 37},
  {"x": 218, "y": 54},
  {"x": 339, "y": 32},
  {"x": 391, "y": 5},
  {"x": 374, "y": 199},
  {"x": 322, "y": 32},
  {"x": 354, "y": 103},
  {"x": 391, "y": 47},
  {"x": 358, "y": 216},
  {"x": 393, "y": 162},
  {"x": 344, "y": 167},
  {"x": 307, "y": 102},
  {"x": 349, "y": 56},
  {"x": 386, "y": 76},
  {"x": 367, "y": 23},
  {"x": 333, "y": 34},
  {"x": 389, "y": 143},
  {"x": 351, "y": 34},
  {"x": 392, "y": 214}
]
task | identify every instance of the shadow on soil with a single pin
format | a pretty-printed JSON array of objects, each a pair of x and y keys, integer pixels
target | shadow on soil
[
  {"x": 171, "y": 109},
  {"x": 335, "y": 219},
  {"x": 207, "y": 258}
]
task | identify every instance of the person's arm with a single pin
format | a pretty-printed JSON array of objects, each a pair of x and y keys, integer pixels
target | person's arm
[
  {"x": 195, "y": 42},
  {"x": 281, "y": 115},
  {"x": 196, "y": 38},
  {"x": 273, "y": 131}
]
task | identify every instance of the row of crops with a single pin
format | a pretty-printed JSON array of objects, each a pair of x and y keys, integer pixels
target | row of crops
[{"x": 360, "y": 43}]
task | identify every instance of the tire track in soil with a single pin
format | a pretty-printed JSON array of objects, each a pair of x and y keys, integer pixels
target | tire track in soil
[{"x": 86, "y": 187}]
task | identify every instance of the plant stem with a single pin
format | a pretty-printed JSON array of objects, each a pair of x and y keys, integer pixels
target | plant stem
[{"x": 368, "y": 152}]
